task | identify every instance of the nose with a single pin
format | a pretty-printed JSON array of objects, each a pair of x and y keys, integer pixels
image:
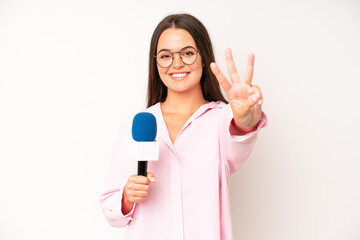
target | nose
[{"x": 177, "y": 62}]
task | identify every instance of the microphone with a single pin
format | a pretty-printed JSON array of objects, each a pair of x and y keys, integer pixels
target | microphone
[{"x": 145, "y": 147}]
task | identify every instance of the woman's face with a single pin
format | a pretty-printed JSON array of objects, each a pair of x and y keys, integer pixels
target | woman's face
[{"x": 179, "y": 77}]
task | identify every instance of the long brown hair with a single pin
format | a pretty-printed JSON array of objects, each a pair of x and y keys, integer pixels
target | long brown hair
[{"x": 157, "y": 91}]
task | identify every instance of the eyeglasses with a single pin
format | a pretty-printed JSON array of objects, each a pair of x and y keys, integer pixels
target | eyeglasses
[{"x": 188, "y": 56}]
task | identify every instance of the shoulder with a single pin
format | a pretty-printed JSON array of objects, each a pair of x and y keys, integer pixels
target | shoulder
[
  {"x": 154, "y": 109},
  {"x": 217, "y": 107},
  {"x": 212, "y": 111}
]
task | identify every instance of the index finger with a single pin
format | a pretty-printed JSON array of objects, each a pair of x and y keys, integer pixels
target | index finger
[
  {"x": 234, "y": 76},
  {"x": 220, "y": 77},
  {"x": 139, "y": 179}
]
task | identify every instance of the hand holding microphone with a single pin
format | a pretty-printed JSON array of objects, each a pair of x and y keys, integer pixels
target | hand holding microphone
[
  {"x": 137, "y": 187},
  {"x": 135, "y": 191},
  {"x": 144, "y": 149}
]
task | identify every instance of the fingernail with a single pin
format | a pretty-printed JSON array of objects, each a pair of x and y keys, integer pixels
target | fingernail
[
  {"x": 250, "y": 90},
  {"x": 255, "y": 97},
  {"x": 227, "y": 52}
]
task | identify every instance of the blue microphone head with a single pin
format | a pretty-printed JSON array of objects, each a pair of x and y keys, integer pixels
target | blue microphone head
[{"x": 144, "y": 127}]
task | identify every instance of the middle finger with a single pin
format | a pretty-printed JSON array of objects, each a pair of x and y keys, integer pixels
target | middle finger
[{"x": 234, "y": 76}]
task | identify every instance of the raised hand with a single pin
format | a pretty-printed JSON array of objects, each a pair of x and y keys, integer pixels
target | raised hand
[{"x": 245, "y": 99}]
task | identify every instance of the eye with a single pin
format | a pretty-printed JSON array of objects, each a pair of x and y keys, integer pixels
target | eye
[
  {"x": 188, "y": 53},
  {"x": 165, "y": 56}
]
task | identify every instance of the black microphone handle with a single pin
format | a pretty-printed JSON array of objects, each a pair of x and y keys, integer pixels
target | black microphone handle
[{"x": 142, "y": 168}]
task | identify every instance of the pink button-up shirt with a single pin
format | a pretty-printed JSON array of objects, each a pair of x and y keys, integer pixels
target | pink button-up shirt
[{"x": 190, "y": 198}]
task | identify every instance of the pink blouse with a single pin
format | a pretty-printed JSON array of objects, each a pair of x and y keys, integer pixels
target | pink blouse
[{"x": 190, "y": 198}]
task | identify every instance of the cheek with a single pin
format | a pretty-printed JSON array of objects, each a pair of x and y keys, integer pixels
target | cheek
[
  {"x": 199, "y": 69},
  {"x": 199, "y": 73},
  {"x": 162, "y": 73},
  {"x": 199, "y": 66}
]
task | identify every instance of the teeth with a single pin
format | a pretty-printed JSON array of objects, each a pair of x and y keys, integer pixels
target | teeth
[{"x": 178, "y": 75}]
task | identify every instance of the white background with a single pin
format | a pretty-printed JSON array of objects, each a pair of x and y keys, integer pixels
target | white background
[{"x": 70, "y": 71}]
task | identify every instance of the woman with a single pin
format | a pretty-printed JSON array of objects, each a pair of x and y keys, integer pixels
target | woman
[{"x": 203, "y": 139}]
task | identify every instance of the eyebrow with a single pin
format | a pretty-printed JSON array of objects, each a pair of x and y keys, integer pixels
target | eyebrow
[{"x": 168, "y": 50}]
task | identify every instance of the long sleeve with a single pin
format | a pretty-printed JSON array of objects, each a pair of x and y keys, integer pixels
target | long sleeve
[
  {"x": 236, "y": 148},
  {"x": 190, "y": 198},
  {"x": 121, "y": 167}
]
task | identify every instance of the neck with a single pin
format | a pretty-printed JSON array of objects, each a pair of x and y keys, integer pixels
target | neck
[{"x": 183, "y": 103}]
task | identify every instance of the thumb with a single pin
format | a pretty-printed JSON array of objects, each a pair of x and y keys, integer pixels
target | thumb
[
  {"x": 151, "y": 177},
  {"x": 251, "y": 101}
]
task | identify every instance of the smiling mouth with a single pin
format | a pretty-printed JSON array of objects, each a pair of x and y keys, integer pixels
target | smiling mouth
[{"x": 179, "y": 76}]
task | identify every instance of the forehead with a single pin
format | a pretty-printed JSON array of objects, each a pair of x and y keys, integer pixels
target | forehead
[{"x": 175, "y": 39}]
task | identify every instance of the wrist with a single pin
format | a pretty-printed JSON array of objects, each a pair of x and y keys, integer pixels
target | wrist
[{"x": 237, "y": 130}]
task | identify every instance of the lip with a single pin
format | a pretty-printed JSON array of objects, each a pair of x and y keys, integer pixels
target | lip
[{"x": 178, "y": 76}]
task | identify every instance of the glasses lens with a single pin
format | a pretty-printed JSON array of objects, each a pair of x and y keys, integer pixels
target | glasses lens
[
  {"x": 164, "y": 59},
  {"x": 188, "y": 55}
]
